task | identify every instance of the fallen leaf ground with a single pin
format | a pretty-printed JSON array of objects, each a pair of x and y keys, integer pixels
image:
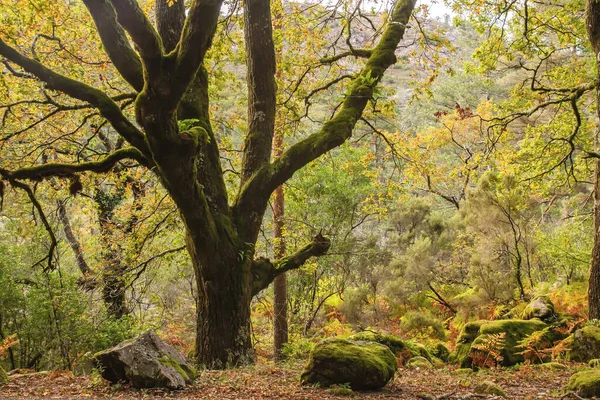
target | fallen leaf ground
[{"x": 268, "y": 381}]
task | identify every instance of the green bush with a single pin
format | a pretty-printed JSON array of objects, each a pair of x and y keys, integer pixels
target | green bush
[{"x": 423, "y": 323}]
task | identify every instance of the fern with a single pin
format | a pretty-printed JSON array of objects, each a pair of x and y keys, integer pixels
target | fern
[
  {"x": 535, "y": 348},
  {"x": 6, "y": 344},
  {"x": 488, "y": 353}
]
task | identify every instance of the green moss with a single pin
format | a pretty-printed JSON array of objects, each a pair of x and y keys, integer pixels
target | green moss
[
  {"x": 584, "y": 344},
  {"x": 419, "y": 362},
  {"x": 440, "y": 351},
  {"x": 3, "y": 376},
  {"x": 478, "y": 332},
  {"x": 360, "y": 364},
  {"x": 515, "y": 330},
  {"x": 467, "y": 335},
  {"x": 394, "y": 343},
  {"x": 187, "y": 372},
  {"x": 340, "y": 390},
  {"x": 594, "y": 363},
  {"x": 463, "y": 371},
  {"x": 487, "y": 387},
  {"x": 404, "y": 349},
  {"x": 585, "y": 383},
  {"x": 553, "y": 366}
]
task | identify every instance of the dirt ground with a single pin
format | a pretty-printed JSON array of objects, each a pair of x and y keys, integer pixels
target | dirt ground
[{"x": 268, "y": 381}]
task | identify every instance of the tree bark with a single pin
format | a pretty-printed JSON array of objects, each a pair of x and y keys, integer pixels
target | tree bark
[
  {"x": 280, "y": 324},
  {"x": 73, "y": 242},
  {"x": 593, "y": 29},
  {"x": 223, "y": 315}
]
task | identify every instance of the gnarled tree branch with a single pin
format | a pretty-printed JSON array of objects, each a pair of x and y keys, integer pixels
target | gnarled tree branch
[
  {"x": 264, "y": 271},
  {"x": 64, "y": 169},
  {"x": 256, "y": 192},
  {"x": 81, "y": 91}
]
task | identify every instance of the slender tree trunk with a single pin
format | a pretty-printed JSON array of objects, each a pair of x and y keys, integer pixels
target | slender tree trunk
[
  {"x": 73, "y": 242},
  {"x": 594, "y": 280},
  {"x": 112, "y": 275},
  {"x": 593, "y": 29},
  {"x": 280, "y": 324}
]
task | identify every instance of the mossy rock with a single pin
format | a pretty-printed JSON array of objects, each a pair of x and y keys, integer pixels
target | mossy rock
[
  {"x": 553, "y": 366},
  {"x": 403, "y": 349},
  {"x": 419, "y": 363},
  {"x": 594, "y": 363},
  {"x": 541, "y": 307},
  {"x": 439, "y": 350},
  {"x": 488, "y": 387},
  {"x": 394, "y": 343},
  {"x": 3, "y": 376},
  {"x": 515, "y": 312},
  {"x": 467, "y": 335},
  {"x": 584, "y": 344},
  {"x": 341, "y": 391},
  {"x": 585, "y": 383},
  {"x": 515, "y": 330},
  {"x": 463, "y": 371},
  {"x": 360, "y": 364}
]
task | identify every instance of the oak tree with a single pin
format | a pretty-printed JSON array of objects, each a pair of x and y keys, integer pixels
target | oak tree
[{"x": 171, "y": 134}]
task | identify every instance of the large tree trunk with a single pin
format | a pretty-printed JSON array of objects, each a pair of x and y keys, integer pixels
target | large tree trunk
[
  {"x": 223, "y": 315},
  {"x": 593, "y": 29}
]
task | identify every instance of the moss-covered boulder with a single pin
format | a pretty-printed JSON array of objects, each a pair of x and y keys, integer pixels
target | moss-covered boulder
[
  {"x": 403, "y": 349},
  {"x": 585, "y": 383},
  {"x": 489, "y": 388},
  {"x": 476, "y": 336},
  {"x": 419, "y": 363},
  {"x": 361, "y": 364},
  {"x": 394, "y": 343},
  {"x": 3, "y": 376},
  {"x": 440, "y": 351},
  {"x": 584, "y": 344},
  {"x": 513, "y": 331},
  {"x": 145, "y": 362},
  {"x": 541, "y": 307},
  {"x": 465, "y": 339}
]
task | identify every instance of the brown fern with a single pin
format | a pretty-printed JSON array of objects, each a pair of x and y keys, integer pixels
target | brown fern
[
  {"x": 6, "y": 344},
  {"x": 488, "y": 353}
]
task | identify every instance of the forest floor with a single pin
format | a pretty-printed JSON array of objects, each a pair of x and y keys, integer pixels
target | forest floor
[{"x": 268, "y": 381}]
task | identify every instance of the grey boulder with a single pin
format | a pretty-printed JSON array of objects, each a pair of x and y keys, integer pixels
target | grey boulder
[{"x": 145, "y": 362}]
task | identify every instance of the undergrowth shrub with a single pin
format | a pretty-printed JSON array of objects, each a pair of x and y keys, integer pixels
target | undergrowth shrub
[{"x": 423, "y": 324}]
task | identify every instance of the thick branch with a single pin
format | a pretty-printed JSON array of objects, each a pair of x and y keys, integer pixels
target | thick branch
[
  {"x": 132, "y": 18},
  {"x": 62, "y": 169},
  {"x": 196, "y": 38},
  {"x": 264, "y": 271},
  {"x": 255, "y": 194},
  {"x": 169, "y": 22},
  {"x": 116, "y": 43},
  {"x": 260, "y": 61},
  {"x": 79, "y": 90}
]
